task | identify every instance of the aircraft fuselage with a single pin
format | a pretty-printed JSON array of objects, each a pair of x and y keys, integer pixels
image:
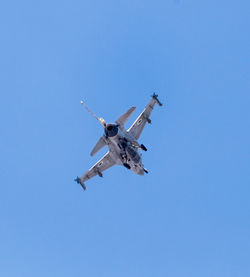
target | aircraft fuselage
[{"x": 124, "y": 150}]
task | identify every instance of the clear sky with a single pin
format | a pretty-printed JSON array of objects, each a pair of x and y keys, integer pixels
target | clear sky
[{"x": 191, "y": 215}]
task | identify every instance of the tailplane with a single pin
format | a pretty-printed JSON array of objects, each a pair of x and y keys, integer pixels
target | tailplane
[
  {"x": 100, "y": 144},
  {"x": 123, "y": 119}
]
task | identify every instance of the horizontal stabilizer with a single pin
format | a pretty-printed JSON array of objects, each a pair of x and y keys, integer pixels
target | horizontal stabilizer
[
  {"x": 123, "y": 119},
  {"x": 100, "y": 144}
]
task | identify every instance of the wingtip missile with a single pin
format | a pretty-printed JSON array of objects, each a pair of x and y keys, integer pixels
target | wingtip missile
[
  {"x": 79, "y": 181},
  {"x": 155, "y": 96}
]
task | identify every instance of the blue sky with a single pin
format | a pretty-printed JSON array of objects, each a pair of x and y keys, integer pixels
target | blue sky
[{"x": 191, "y": 215}]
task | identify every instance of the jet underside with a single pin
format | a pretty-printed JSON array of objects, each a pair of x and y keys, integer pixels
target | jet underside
[
  {"x": 123, "y": 144},
  {"x": 124, "y": 151}
]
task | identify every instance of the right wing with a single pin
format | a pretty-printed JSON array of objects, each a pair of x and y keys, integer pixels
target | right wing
[
  {"x": 139, "y": 124},
  {"x": 104, "y": 163}
]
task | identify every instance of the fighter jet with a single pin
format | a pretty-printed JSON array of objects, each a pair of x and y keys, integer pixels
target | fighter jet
[{"x": 123, "y": 144}]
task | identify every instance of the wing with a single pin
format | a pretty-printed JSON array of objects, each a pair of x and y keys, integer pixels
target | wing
[
  {"x": 104, "y": 163},
  {"x": 138, "y": 126}
]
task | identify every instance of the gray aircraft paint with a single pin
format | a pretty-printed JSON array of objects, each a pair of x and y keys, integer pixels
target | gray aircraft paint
[{"x": 123, "y": 144}]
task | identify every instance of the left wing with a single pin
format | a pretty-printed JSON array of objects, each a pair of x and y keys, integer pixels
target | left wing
[
  {"x": 138, "y": 126},
  {"x": 104, "y": 163}
]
